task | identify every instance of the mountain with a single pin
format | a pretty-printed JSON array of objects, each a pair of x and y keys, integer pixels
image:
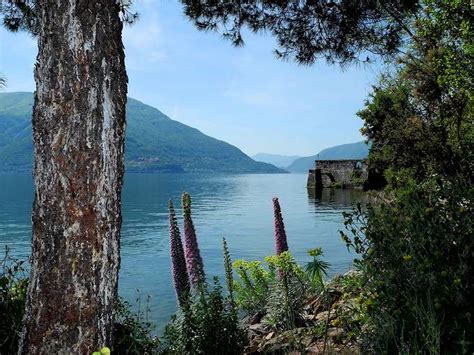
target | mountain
[
  {"x": 281, "y": 161},
  {"x": 154, "y": 142},
  {"x": 359, "y": 150}
]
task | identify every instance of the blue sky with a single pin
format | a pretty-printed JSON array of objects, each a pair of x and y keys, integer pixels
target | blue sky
[{"x": 244, "y": 96}]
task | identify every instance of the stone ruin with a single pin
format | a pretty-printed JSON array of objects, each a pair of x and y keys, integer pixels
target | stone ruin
[{"x": 350, "y": 173}]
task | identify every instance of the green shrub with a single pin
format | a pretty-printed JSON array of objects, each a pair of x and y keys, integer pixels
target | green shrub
[
  {"x": 252, "y": 286},
  {"x": 277, "y": 290},
  {"x": 13, "y": 286},
  {"x": 206, "y": 325},
  {"x": 133, "y": 335},
  {"x": 418, "y": 260},
  {"x": 288, "y": 292}
]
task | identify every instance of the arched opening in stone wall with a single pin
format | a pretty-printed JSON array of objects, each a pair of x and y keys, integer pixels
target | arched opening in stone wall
[{"x": 328, "y": 179}]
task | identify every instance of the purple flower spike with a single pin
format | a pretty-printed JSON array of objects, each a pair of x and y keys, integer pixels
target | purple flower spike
[
  {"x": 191, "y": 248},
  {"x": 178, "y": 262},
  {"x": 281, "y": 244}
]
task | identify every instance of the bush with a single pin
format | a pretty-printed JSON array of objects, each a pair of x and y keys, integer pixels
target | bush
[
  {"x": 13, "y": 286},
  {"x": 132, "y": 334},
  {"x": 206, "y": 325},
  {"x": 277, "y": 291},
  {"x": 253, "y": 285},
  {"x": 418, "y": 260},
  {"x": 288, "y": 292}
]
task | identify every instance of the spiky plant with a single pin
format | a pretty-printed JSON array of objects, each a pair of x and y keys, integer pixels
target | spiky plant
[
  {"x": 194, "y": 262},
  {"x": 178, "y": 261},
  {"x": 281, "y": 243},
  {"x": 317, "y": 268}
]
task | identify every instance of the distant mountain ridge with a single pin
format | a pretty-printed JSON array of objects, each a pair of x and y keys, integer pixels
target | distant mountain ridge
[
  {"x": 154, "y": 142},
  {"x": 358, "y": 150},
  {"x": 281, "y": 161}
]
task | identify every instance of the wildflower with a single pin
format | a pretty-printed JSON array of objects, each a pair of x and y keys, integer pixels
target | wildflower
[
  {"x": 281, "y": 243},
  {"x": 191, "y": 249},
  {"x": 178, "y": 261},
  {"x": 407, "y": 257}
]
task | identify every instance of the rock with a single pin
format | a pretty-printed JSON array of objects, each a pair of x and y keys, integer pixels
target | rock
[
  {"x": 256, "y": 318},
  {"x": 269, "y": 335},
  {"x": 282, "y": 341},
  {"x": 258, "y": 328},
  {"x": 332, "y": 295},
  {"x": 315, "y": 348},
  {"x": 251, "y": 349},
  {"x": 352, "y": 273},
  {"x": 317, "y": 305},
  {"x": 335, "y": 333},
  {"x": 307, "y": 340},
  {"x": 323, "y": 316}
]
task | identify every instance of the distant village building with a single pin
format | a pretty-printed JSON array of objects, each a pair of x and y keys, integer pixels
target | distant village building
[{"x": 350, "y": 173}]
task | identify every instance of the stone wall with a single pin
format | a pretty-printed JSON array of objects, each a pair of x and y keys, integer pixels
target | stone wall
[{"x": 338, "y": 173}]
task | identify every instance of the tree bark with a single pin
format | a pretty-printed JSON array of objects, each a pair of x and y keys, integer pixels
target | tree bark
[{"x": 78, "y": 133}]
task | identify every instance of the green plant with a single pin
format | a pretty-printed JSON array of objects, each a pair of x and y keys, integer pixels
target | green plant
[
  {"x": 418, "y": 267},
  {"x": 229, "y": 276},
  {"x": 317, "y": 269},
  {"x": 204, "y": 326},
  {"x": 287, "y": 293},
  {"x": 276, "y": 290},
  {"x": 252, "y": 286},
  {"x": 13, "y": 287},
  {"x": 104, "y": 351},
  {"x": 133, "y": 332}
]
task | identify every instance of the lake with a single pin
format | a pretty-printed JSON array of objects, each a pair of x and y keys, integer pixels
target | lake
[{"x": 237, "y": 207}]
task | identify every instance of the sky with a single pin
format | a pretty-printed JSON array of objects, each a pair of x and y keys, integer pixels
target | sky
[{"x": 244, "y": 96}]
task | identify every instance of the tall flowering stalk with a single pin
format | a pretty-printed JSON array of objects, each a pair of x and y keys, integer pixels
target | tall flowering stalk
[
  {"x": 178, "y": 261},
  {"x": 229, "y": 276},
  {"x": 191, "y": 249},
  {"x": 281, "y": 244}
]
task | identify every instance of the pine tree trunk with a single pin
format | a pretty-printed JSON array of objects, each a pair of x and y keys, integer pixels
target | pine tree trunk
[{"x": 78, "y": 132}]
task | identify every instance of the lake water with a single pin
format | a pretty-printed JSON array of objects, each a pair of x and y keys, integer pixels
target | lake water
[{"x": 238, "y": 207}]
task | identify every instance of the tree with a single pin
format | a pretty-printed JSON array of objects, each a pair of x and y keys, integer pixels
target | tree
[
  {"x": 420, "y": 119},
  {"x": 341, "y": 31},
  {"x": 78, "y": 133}
]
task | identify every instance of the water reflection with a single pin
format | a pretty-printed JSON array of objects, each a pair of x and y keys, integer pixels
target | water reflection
[{"x": 335, "y": 198}]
